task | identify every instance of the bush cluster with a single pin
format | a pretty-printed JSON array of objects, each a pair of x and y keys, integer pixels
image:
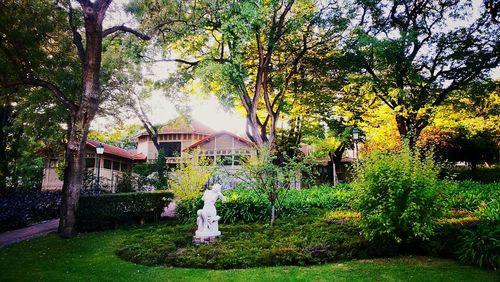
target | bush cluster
[
  {"x": 20, "y": 209},
  {"x": 111, "y": 210},
  {"x": 288, "y": 242},
  {"x": 245, "y": 205},
  {"x": 398, "y": 195}
]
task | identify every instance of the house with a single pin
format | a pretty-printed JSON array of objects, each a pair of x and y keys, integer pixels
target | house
[
  {"x": 179, "y": 139},
  {"x": 113, "y": 163},
  {"x": 176, "y": 138}
]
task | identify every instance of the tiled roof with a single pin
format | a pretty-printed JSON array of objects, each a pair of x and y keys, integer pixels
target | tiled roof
[
  {"x": 193, "y": 126},
  {"x": 119, "y": 152},
  {"x": 210, "y": 137}
]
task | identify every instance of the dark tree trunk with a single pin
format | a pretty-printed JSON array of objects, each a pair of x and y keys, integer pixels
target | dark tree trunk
[
  {"x": 5, "y": 112},
  {"x": 82, "y": 117},
  {"x": 409, "y": 129}
]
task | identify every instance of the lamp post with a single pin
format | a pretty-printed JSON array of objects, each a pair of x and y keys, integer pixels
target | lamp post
[
  {"x": 355, "y": 138},
  {"x": 99, "y": 149}
]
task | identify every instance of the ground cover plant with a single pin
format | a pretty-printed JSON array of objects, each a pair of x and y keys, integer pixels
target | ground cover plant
[
  {"x": 90, "y": 257},
  {"x": 301, "y": 241}
]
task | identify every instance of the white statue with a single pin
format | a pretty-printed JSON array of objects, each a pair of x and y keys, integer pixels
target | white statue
[{"x": 208, "y": 220}]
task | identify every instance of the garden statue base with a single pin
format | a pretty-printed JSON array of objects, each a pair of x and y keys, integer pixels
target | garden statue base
[{"x": 199, "y": 240}]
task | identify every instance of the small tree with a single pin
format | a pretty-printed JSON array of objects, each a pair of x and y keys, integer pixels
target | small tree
[
  {"x": 190, "y": 176},
  {"x": 268, "y": 179},
  {"x": 398, "y": 195}
]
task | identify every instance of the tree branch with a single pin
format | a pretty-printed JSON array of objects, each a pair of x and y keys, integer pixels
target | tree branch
[
  {"x": 123, "y": 28},
  {"x": 77, "y": 37},
  {"x": 56, "y": 91}
]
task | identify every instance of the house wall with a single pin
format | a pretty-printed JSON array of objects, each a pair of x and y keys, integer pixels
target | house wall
[{"x": 108, "y": 176}]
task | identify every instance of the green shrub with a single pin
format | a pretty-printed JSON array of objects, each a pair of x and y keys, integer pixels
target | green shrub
[
  {"x": 111, "y": 210},
  {"x": 398, "y": 195},
  {"x": 244, "y": 205},
  {"x": 481, "y": 246}
]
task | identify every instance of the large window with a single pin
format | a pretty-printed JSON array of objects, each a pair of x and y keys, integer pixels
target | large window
[
  {"x": 107, "y": 164},
  {"x": 116, "y": 165},
  {"x": 89, "y": 162},
  {"x": 172, "y": 149}
]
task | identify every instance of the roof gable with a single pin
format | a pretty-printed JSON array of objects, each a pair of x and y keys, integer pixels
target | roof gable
[{"x": 220, "y": 133}]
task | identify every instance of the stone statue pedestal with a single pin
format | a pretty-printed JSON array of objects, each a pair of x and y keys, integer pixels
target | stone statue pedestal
[{"x": 199, "y": 240}]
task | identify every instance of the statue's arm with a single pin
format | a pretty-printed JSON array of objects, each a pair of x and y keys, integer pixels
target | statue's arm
[{"x": 221, "y": 197}]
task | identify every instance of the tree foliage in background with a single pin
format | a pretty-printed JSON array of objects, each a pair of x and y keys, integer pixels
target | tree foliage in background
[
  {"x": 247, "y": 52},
  {"x": 414, "y": 54}
]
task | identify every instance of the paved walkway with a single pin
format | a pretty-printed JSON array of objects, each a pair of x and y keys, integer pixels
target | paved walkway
[{"x": 37, "y": 230}]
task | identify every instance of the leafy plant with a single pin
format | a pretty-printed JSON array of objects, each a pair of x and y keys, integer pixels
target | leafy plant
[
  {"x": 272, "y": 181},
  {"x": 190, "y": 176},
  {"x": 398, "y": 195},
  {"x": 244, "y": 205},
  {"x": 482, "y": 246}
]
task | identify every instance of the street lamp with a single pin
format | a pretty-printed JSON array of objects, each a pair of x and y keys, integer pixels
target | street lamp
[
  {"x": 355, "y": 137},
  {"x": 99, "y": 149}
]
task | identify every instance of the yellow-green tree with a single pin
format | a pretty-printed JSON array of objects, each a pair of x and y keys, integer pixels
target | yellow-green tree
[{"x": 190, "y": 176}]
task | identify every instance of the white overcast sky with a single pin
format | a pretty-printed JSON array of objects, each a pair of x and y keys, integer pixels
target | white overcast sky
[{"x": 205, "y": 109}]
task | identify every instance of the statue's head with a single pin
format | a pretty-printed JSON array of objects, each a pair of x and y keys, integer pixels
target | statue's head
[{"x": 216, "y": 187}]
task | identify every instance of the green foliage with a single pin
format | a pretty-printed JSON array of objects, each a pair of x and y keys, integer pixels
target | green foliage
[
  {"x": 301, "y": 241},
  {"x": 482, "y": 246},
  {"x": 398, "y": 195},
  {"x": 125, "y": 183},
  {"x": 469, "y": 195},
  {"x": 243, "y": 205},
  {"x": 111, "y": 210},
  {"x": 188, "y": 179},
  {"x": 271, "y": 180},
  {"x": 161, "y": 166}
]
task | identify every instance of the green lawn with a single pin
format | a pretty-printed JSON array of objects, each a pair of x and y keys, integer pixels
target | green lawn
[{"x": 89, "y": 257}]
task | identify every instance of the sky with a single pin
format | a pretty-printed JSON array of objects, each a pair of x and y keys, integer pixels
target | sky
[{"x": 205, "y": 109}]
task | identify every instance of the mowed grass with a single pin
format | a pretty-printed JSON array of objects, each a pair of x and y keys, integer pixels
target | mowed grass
[{"x": 90, "y": 257}]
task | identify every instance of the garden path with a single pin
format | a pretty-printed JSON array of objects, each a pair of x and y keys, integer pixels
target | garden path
[{"x": 26, "y": 233}]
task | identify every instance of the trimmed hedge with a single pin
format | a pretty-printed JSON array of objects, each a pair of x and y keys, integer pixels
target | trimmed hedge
[
  {"x": 243, "y": 205},
  {"x": 112, "y": 210},
  {"x": 20, "y": 209}
]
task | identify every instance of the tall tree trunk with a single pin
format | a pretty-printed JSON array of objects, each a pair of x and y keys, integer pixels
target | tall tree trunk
[{"x": 75, "y": 149}]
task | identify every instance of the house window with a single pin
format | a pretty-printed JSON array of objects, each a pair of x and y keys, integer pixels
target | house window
[
  {"x": 116, "y": 165},
  {"x": 53, "y": 163},
  {"x": 225, "y": 159},
  {"x": 172, "y": 149},
  {"x": 107, "y": 164},
  {"x": 89, "y": 162}
]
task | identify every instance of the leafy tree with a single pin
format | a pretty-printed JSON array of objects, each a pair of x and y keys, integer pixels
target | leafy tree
[
  {"x": 414, "y": 54},
  {"x": 270, "y": 180},
  {"x": 42, "y": 47},
  {"x": 246, "y": 51}
]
